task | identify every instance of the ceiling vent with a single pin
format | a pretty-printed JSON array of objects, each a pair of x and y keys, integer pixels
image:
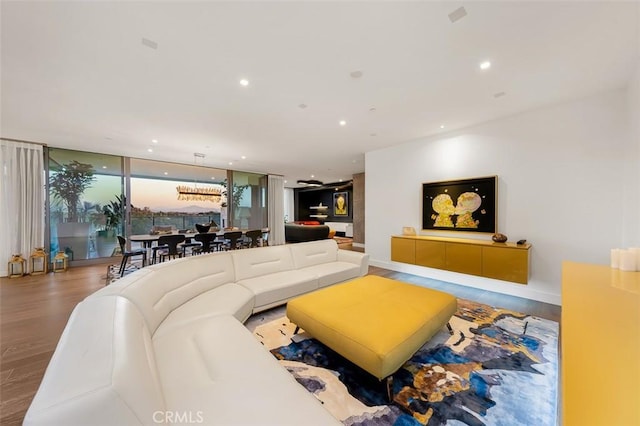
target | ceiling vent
[
  {"x": 457, "y": 14},
  {"x": 150, "y": 43}
]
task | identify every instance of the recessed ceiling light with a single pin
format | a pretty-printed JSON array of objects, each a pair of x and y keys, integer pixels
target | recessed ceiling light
[
  {"x": 166, "y": 173},
  {"x": 285, "y": 181},
  {"x": 244, "y": 82},
  {"x": 149, "y": 149},
  {"x": 485, "y": 65},
  {"x": 213, "y": 177},
  {"x": 104, "y": 167},
  {"x": 313, "y": 176},
  {"x": 244, "y": 157},
  {"x": 343, "y": 123},
  {"x": 154, "y": 140},
  {"x": 442, "y": 126},
  {"x": 356, "y": 74},
  {"x": 339, "y": 180},
  {"x": 231, "y": 163}
]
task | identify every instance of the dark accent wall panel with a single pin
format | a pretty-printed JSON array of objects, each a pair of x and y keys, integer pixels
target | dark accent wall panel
[{"x": 358, "y": 208}]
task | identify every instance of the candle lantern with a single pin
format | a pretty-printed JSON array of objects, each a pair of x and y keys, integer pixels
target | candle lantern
[
  {"x": 60, "y": 262},
  {"x": 17, "y": 266},
  {"x": 38, "y": 261}
]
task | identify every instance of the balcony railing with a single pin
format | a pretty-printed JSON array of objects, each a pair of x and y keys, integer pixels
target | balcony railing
[{"x": 144, "y": 224}]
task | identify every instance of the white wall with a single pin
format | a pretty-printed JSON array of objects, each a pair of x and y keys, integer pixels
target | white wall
[
  {"x": 562, "y": 178},
  {"x": 632, "y": 230}
]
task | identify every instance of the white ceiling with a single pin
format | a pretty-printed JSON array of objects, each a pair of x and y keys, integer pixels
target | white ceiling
[{"x": 77, "y": 74}]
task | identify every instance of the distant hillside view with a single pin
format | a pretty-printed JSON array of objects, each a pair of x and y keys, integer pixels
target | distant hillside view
[
  {"x": 161, "y": 195},
  {"x": 155, "y": 203},
  {"x": 187, "y": 209},
  {"x": 143, "y": 220}
]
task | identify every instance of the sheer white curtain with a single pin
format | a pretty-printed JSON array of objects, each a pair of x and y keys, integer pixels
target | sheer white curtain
[
  {"x": 21, "y": 200},
  {"x": 276, "y": 209}
]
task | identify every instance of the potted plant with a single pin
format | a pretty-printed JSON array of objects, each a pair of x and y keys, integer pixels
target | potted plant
[
  {"x": 67, "y": 186},
  {"x": 69, "y": 183},
  {"x": 106, "y": 238},
  {"x": 237, "y": 193}
]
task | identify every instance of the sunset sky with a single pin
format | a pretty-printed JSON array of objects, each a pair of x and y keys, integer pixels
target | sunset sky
[
  {"x": 162, "y": 195},
  {"x": 158, "y": 195}
]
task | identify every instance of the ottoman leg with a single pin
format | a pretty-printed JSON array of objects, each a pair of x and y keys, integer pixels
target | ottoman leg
[
  {"x": 390, "y": 388},
  {"x": 450, "y": 329},
  {"x": 296, "y": 330}
]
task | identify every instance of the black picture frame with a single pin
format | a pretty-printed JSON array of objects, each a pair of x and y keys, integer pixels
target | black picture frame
[{"x": 464, "y": 205}]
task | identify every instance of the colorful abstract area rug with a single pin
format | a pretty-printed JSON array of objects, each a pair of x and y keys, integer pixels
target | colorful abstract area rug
[
  {"x": 498, "y": 368},
  {"x": 113, "y": 271}
]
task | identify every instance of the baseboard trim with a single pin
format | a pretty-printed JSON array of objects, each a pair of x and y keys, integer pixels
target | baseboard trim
[{"x": 482, "y": 283}]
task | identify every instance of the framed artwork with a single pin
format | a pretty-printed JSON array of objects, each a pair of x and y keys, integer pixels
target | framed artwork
[
  {"x": 341, "y": 204},
  {"x": 468, "y": 205}
]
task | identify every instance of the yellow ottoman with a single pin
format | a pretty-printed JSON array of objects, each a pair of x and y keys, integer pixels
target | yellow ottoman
[{"x": 376, "y": 323}]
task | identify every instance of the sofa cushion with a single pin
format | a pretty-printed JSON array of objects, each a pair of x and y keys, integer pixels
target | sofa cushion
[
  {"x": 255, "y": 262},
  {"x": 159, "y": 289},
  {"x": 228, "y": 299},
  {"x": 217, "y": 371},
  {"x": 333, "y": 272},
  {"x": 313, "y": 253},
  {"x": 103, "y": 371},
  {"x": 275, "y": 289}
]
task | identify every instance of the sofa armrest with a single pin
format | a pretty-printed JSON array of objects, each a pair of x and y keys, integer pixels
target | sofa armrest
[
  {"x": 103, "y": 370},
  {"x": 356, "y": 257}
]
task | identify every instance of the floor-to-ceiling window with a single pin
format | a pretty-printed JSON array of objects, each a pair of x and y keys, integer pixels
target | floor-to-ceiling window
[
  {"x": 91, "y": 196},
  {"x": 156, "y": 201},
  {"x": 85, "y": 203},
  {"x": 249, "y": 200}
]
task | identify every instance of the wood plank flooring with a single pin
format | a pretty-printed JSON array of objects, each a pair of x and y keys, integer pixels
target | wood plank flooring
[{"x": 34, "y": 311}]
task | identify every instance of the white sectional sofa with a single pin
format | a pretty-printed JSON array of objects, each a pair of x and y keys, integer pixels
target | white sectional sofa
[{"x": 166, "y": 344}]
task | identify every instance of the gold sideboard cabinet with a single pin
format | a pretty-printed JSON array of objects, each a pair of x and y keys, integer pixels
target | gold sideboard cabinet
[{"x": 501, "y": 261}]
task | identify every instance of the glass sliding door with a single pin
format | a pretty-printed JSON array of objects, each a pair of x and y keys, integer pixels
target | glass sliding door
[{"x": 85, "y": 203}]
